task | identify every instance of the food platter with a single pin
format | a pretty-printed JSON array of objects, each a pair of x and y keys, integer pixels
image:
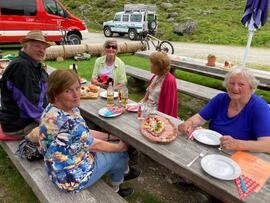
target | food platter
[
  {"x": 89, "y": 92},
  {"x": 158, "y": 129}
]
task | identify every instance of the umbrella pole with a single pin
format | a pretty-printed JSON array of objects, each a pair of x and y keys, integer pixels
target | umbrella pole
[
  {"x": 250, "y": 35},
  {"x": 251, "y": 29}
]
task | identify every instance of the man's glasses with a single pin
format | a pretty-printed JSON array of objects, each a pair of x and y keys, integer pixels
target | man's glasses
[{"x": 111, "y": 46}]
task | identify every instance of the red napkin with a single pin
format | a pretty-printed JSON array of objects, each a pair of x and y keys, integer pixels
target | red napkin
[
  {"x": 8, "y": 138},
  {"x": 250, "y": 186}
]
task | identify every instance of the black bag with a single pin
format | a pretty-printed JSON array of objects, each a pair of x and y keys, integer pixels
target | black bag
[{"x": 29, "y": 150}]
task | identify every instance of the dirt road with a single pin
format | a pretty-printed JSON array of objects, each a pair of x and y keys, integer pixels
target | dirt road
[{"x": 259, "y": 56}]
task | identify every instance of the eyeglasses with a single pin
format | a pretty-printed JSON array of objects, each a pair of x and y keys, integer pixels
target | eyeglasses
[{"x": 111, "y": 46}]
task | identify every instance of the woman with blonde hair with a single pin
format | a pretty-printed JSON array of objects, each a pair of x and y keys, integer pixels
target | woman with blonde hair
[
  {"x": 161, "y": 94},
  {"x": 109, "y": 68},
  {"x": 240, "y": 115}
]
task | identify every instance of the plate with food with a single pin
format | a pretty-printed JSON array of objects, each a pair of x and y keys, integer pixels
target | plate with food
[
  {"x": 208, "y": 137},
  {"x": 132, "y": 107},
  {"x": 83, "y": 80},
  {"x": 104, "y": 94},
  {"x": 158, "y": 129},
  {"x": 89, "y": 92},
  {"x": 110, "y": 112}
]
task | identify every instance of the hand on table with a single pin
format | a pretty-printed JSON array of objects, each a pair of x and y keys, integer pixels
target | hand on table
[
  {"x": 104, "y": 86},
  {"x": 186, "y": 128},
  {"x": 229, "y": 143}
]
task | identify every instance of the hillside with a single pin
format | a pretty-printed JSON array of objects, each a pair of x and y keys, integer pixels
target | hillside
[{"x": 218, "y": 22}]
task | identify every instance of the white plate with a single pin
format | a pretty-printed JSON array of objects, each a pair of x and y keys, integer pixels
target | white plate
[
  {"x": 106, "y": 112},
  {"x": 220, "y": 167},
  {"x": 133, "y": 107},
  {"x": 206, "y": 136},
  {"x": 83, "y": 81},
  {"x": 104, "y": 94}
]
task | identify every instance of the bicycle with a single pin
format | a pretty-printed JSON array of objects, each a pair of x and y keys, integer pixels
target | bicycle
[{"x": 161, "y": 45}]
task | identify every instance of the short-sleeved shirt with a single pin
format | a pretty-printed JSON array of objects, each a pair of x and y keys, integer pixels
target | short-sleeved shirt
[
  {"x": 252, "y": 122},
  {"x": 107, "y": 70},
  {"x": 64, "y": 142},
  {"x": 118, "y": 72}
]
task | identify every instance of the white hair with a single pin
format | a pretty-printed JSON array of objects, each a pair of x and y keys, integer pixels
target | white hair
[{"x": 245, "y": 72}]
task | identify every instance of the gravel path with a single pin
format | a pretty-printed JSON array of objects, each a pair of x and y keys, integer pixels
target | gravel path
[{"x": 259, "y": 56}]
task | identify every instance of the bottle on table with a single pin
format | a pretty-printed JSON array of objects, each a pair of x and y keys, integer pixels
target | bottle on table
[{"x": 110, "y": 95}]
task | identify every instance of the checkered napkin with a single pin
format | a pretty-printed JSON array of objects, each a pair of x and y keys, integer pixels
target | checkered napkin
[{"x": 250, "y": 186}]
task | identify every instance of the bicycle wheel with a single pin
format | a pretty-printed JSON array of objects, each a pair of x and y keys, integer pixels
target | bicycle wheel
[
  {"x": 166, "y": 46},
  {"x": 145, "y": 44}
]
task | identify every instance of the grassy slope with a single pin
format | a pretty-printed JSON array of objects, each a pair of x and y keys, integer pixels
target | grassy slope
[{"x": 221, "y": 26}]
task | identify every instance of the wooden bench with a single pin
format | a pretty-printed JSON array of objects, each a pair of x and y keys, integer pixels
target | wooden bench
[
  {"x": 194, "y": 90},
  {"x": 37, "y": 178},
  {"x": 199, "y": 67}
]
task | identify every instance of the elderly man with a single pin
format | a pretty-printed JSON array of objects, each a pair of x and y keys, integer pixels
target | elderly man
[{"x": 24, "y": 86}]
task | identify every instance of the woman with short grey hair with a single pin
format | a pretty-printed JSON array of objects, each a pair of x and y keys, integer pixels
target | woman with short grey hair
[
  {"x": 109, "y": 68},
  {"x": 253, "y": 82},
  {"x": 242, "y": 117}
]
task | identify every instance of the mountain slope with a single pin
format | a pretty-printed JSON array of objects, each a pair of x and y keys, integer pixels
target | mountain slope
[{"x": 218, "y": 22}]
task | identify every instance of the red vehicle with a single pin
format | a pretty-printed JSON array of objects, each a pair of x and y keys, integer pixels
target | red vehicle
[{"x": 17, "y": 17}]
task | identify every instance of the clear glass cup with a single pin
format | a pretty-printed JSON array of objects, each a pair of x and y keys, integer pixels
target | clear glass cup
[{"x": 144, "y": 111}]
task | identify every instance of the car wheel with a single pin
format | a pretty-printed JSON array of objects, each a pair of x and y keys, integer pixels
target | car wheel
[
  {"x": 107, "y": 32},
  {"x": 74, "y": 39},
  {"x": 132, "y": 34}
]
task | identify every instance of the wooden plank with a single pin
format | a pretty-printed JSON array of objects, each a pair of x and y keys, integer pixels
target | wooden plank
[
  {"x": 195, "y": 90},
  {"x": 35, "y": 175},
  {"x": 174, "y": 156},
  {"x": 199, "y": 67}
]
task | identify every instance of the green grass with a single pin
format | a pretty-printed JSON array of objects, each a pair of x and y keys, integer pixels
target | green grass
[
  {"x": 13, "y": 188},
  {"x": 221, "y": 26}
]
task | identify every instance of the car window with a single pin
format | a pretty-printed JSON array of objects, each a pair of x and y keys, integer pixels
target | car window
[
  {"x": 18, "y": 7},
  {"x": 117, "y": 18},
  {"x": 150, "y": 17},
  {"x": 54, "y": 8},
  {"x": 125, "y": 18},
  {"x": 136, "y": 18}
]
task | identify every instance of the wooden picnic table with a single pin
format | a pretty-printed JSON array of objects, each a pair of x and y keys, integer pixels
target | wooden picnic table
[
  {"x": 174, "y": 156},
  {"x": 200, "y": 67}
]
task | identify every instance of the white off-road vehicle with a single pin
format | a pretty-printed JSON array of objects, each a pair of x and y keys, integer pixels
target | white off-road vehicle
[{"x": 136, "y": 20}]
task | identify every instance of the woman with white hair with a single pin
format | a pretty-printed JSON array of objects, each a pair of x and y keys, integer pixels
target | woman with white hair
[
  {"x": 242, "y": 117},
  {"x": 109, "y": 68}
]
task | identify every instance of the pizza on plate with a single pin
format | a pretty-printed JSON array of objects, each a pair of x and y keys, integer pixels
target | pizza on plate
[
  {"x": 89, "y": 92},
  {"x": 157, "y": 128},
  {"x": 154, "y": 126}
]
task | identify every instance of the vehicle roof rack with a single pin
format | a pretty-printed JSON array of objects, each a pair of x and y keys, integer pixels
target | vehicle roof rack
[{"x": 140, "y": 7}]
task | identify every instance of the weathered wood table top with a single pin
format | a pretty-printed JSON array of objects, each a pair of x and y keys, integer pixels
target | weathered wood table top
[{"x": 174, "y": 156}]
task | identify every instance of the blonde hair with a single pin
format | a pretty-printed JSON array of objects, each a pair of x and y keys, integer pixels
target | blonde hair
[
  {"x": 246, "y": 73},
  {"x": 161, "y": 60},
  {"x": 59, "y": 81}
]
